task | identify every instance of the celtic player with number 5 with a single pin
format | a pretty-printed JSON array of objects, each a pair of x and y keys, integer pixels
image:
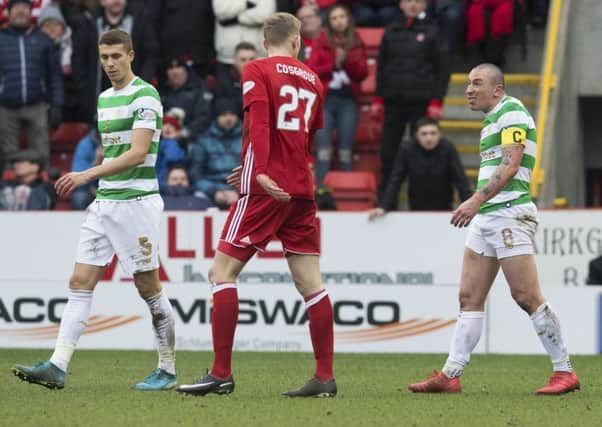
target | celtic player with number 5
[
  {"x": 124, "y": 218},
  {"x": 282, "y": 102},
  {"x": 503, "y": 222}
]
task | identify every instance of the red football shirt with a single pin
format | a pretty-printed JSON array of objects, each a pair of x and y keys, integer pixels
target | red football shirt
[{"x": 287, "y": 114}]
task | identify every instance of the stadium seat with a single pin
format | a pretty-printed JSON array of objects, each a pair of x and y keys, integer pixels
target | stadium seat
[
  {"x": 8, "y": 175},
  {"x": 368, "y": 133},
  {"x": 62, "y": 160},
  {"x": 371, "y": 38},
  {"x": 352, "y": 191},
  {"x": 67, "y": 135},
  {"x": 368, "y": 161},
  {"x": 368, "y": 85}
]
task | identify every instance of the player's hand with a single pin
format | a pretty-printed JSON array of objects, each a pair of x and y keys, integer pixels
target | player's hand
[
  {"x": 462, "y": 216},
  {"x": 234, "y": 178},
  {"x": 226, "y": 197},
  {"x": 65, "y": 185},
  {"x": 375, "y": 213},
  {"x": 270, "y": 187}
]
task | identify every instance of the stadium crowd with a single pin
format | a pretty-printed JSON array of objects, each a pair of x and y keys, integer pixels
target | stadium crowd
[{"x": 194, "y": 51}]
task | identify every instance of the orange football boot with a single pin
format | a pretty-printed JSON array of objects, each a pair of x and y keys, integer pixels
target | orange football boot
[
  {"x": 560, "y": 383},
  {"x": 438, "y": 382}
]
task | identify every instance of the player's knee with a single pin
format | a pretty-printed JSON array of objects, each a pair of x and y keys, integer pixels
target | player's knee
[
  {"x": 80, "y": 281},
  {"x": 469, "y": 301},
  {"x": 147, "y": 283},
  {"x": 525, "y": 300}
]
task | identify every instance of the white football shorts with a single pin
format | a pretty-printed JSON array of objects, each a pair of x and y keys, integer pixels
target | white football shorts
[
  {"x": 504, "y": 233},
  {"x": 128, "y": 228}
]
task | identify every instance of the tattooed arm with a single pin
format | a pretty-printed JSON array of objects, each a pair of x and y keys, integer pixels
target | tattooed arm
[{"x": 512, "y": 155}]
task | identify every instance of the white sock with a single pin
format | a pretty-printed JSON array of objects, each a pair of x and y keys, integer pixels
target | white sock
[
  {"x": 467, "y": 333},
  {"x": 547, "y": 327},
  {"x": 73, "y": 323},
  {"x": 163, "y": 325}
]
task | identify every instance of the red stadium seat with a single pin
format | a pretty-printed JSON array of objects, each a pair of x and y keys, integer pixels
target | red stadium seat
[
  {"x": 67, "y": 135},
  {"x": 368, "y": 133},
  {"x": 352, "y": 191},
  {"x": 368, "y": 161},
  {"x": 62, "y": 160},
  {"x": 371, "y": 38},
  {"x": 368, "y": 85},
  {"x": 8, "y": 175}
]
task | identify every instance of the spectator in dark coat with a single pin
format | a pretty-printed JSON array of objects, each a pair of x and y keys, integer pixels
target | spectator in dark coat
[
  {"x": 185, "y": 90},
  {"x": 88, "y": 153},
  {"x": 30, "y": 82},
  {"x": 433, "y": 167},
  {"x": 339, "y": 58},
  {"x": 412, "y": 77},
  {"x": 178, "y": 195},
  {"x": 375, "y": 13},
  {"x": 594, "y": 272},
  {"x": 228, "y": 78},
  {"x": 450, "y": 15},
  {"x": 28, "y": 191},
  {"x": 144, "y": 37},
  {"x": 216, "y": 154},
  {"x": 186, "y": 31}
]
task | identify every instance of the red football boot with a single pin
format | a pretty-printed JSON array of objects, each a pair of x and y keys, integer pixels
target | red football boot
[
  {"x": 560, "y": 383},
  {"x": 438, "y": 382}
]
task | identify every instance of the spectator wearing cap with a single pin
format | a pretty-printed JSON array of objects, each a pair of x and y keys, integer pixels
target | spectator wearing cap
[
  {"x": 239, "y": 20},
  {"x": 216, "y": 153},
  {"x": 185, "y": 90},
  {"x": 228, "y": 78},
  {"x": 139, "y": 26},
  {"x": 53, "y": 24},
  {"x": 28, "y": 190},
  {"x": 311, "y": 26},
  {"x": 31, "y": 83},
  {"x": 88, "y": 153},
  {"x": 412, "y": 77},
  {"x": 178, "y": 195},
  {"x": 170, "y": 152}
]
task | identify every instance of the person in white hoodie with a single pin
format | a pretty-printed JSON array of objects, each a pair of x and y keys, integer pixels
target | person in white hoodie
[{"x": 237, "y": 21}]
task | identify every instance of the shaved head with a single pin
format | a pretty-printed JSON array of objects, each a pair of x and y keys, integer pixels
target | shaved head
[{"x": 496, "y": 76}]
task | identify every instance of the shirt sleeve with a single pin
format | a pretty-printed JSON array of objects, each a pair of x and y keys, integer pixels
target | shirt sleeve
[
  {"x": 253, "y": 86},
  {"x": 147, "y": 110}
]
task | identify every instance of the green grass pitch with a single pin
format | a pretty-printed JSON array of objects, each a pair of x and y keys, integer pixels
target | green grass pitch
[{"x": 498, "y": 391}]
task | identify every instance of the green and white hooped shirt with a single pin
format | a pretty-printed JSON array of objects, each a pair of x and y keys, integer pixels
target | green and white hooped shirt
[
  {"x": 507, "y": 124},
  {"x": 136, "y": 106}
]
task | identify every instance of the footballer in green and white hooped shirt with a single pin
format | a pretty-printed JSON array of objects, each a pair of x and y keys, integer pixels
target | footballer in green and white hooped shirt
[
  {"x": 503, "y": 221},
  {"x": 123, "y": 220}
]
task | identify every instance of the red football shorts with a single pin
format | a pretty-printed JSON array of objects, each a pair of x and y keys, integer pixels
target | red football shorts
[{"x": 255, "y": 220}]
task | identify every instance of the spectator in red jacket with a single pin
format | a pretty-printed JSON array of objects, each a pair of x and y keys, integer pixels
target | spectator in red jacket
[
  {"x": 339, "y": 58},
  {"x": 491, "y": 37}
]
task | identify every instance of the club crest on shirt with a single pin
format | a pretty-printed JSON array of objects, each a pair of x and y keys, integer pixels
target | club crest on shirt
[
  {"x": 146, "y": 114},
  {"x": 247, "y": 86},
  {"x": 420, "y": 37}
]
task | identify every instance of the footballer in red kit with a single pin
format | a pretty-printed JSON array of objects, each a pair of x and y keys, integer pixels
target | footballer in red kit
[
  {"x": 282, "y": 99},
  {"x": 283, "y": 103}
]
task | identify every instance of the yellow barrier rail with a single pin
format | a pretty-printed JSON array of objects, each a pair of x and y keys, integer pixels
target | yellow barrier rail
[{"x": 548, "y": 82}]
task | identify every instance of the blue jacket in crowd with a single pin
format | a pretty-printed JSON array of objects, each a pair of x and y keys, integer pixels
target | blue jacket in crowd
[
  {"x": 170, "y": 154},
  {"x": 29, "y": 69},
  {"x": 213, "y": 157},
  {"x": 85, "y": 152}
]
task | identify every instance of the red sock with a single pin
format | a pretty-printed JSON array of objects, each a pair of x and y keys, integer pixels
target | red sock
[
  {"x": 223, "y": 326},
  {"x": 319, "y": 310}
]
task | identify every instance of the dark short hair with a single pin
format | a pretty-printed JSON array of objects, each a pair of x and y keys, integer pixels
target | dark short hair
[
  {"x": 243, "y": 45},
  {"x": 176, "y": 167},
  {"x": 114, "y": 37},
  {"x": 426, "y": 121}
]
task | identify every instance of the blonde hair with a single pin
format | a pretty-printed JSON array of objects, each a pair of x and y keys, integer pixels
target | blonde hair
[{"x": 280, "y": 27}]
